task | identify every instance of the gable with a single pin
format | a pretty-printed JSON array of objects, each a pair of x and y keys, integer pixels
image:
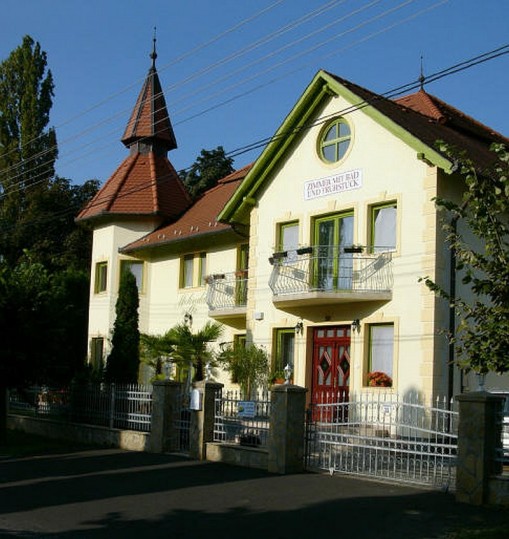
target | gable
[{"x": 418, "y": 129}]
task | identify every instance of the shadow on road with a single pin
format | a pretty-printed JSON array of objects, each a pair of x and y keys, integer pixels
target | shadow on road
[{"x": 111, "y": 493}]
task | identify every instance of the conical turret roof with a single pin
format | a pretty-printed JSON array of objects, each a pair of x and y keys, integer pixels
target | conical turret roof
[
  {"x": 146, "y": 183},
  {"x": 150, "y": 120}
]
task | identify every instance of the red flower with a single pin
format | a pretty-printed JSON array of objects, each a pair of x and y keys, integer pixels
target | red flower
[{"x": 379, "y": 379}]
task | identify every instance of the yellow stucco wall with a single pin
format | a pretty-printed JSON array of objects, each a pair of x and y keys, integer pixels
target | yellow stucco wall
[{"x": 390, "y": 171}]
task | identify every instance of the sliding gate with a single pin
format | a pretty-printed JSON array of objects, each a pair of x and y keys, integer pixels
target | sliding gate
[{"x": 381, "y": 436}]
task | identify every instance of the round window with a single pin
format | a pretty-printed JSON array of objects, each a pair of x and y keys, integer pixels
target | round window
[{"x": 334, "y": 141}]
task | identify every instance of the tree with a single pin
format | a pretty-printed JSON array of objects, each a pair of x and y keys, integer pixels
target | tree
[
  {"x": 247, "y": 365},
  {"x": 123, "y": 362},
  {"x": 191, "y": 348},
  {"x": 482, "y": 335},
  {"x": 209, "y": 167},
  {"x": 24, "y": 298},
  {"x": 43, "y": 317},
  {"x": 55, "y": 239},
  {"x": 28, "y": 149}
]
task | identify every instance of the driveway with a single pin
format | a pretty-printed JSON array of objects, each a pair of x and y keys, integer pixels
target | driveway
[{"x": 112, "y": 493}]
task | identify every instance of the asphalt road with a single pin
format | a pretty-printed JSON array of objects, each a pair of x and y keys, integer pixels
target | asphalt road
[{"x": 112, "y": 493}]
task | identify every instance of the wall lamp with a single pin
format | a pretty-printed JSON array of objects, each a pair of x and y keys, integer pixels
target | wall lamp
[
  {"x": 356, "y": 325},
  {"x": 299, "y": 327}
]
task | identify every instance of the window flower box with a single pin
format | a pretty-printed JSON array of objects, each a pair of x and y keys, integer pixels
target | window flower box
[{"x": 379, "y": 379}]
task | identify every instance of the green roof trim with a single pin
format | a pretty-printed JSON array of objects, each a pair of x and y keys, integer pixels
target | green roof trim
[{"x": 321, "y": 88}]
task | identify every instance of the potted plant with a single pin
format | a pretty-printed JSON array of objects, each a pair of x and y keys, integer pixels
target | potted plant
[
  {"x": 379, "y": 379},
  {"x": 277, "y": 377}
]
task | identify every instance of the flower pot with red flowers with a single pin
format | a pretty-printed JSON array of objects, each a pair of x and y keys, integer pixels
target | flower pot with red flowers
[{"x": 379, "y": 379}]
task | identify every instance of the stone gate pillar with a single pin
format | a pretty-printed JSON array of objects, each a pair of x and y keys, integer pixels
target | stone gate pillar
[
  {"x": 166, "y": 397},
  {"x": 479, "y": 434},
  {"x": 287, "y": 429},
  {"x": 202, "y": 419}
]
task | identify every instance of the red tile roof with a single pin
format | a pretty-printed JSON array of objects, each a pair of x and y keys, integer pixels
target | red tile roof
[
  {"x": 143, "y": 185},
  {"x": 200, "y": 219},
  {"x": 430, "y": 119},
  {"x": 150, "y": 118}
]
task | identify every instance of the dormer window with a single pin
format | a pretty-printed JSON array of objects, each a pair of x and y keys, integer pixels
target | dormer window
[{"x": 334, "y": 141}]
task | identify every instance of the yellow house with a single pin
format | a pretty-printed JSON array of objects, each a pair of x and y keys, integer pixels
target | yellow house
[{"x": 314, "y": 252}]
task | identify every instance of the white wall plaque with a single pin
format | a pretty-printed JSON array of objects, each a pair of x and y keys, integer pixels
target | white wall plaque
[{"x": 331, "y": 185}]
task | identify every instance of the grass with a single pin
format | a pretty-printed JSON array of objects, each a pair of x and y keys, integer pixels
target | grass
[{"x": 20, "y": 444}]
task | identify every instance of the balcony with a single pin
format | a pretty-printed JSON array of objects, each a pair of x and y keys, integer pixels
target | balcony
[
  {"x": 227, "y": 295},
  {"x": 321, "y": 275}
]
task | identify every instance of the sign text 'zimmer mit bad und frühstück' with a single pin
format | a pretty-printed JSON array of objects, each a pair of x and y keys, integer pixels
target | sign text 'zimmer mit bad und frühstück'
[{"x": 346, "y": 181}]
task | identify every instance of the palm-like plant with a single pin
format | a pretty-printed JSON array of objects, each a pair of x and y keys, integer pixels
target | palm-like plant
[
  {"x": 192, "y": 348},
  {"x": 155, "y": 350}
]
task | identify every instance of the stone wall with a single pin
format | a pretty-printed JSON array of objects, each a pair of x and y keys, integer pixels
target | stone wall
[{"x": 87, "y": 434}]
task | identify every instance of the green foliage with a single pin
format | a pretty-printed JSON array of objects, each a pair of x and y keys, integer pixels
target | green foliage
[
  {"x": 209, "y": 167},
  {"x": 123, "y": 362},
  {"x": 482, "y": 336},
  {"x": 43, "y": 318},
  {"x": 37, "y": 210},
  {"x": 48, "y": 226},
  {"x": 155, "y": 351},
  {"x": 192, "y": 348},
  {"x": 247, "y": 365},
  {"x": 27, "y": 148}
]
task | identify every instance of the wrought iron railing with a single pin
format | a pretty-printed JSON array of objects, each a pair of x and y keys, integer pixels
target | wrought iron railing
[
  {"x": 227, "y": 290},
  {"x": 124, "y": 406},
  {"x": 242, "y": 421},
  {"x": 502, "y": 449},
  {"x": 382, "y": 435},
  {"x": 330, "y": 269}
]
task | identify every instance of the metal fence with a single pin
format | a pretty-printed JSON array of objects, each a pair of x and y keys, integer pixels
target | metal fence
[
  {"x": 328, "y": 269},
  {"x": 182, "y": 421},
  {"x": 383, "y": 436},
  {"x": 502, "y": 452},
  {"x": 242, "y": 421},
  {"x": 227, "y": 290},
  {"x": 122, "y": 406}
]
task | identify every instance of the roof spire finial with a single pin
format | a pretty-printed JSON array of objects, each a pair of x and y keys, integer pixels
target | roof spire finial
[
  {"x": 153, "y": 54},
  {"x": 422, "y": 78}
]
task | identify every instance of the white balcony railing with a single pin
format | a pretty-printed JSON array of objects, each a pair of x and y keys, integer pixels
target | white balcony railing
[
  {"x": 330, "y": 269},
  {"x": 226, "y": 291}
]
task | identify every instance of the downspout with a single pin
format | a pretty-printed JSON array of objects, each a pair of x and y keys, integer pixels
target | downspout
[{"x": 452, "y": 316}]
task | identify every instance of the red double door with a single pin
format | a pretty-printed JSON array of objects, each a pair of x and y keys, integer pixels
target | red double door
[{"x": 331, "y": 369}]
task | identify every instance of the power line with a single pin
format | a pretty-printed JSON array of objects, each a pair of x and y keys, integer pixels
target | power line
[
  {"x": 348, "y": 110},
  {"x": 266, "y": 39},
  {"x": 180, "y": 83},
  {"x": 175, "y": 61}
]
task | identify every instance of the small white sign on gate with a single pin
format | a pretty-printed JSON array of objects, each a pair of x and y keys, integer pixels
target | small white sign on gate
[{"x": 246, "y": 409}]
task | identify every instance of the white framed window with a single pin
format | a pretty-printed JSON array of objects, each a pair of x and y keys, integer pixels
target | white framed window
[
  {"x": 193, "y": 270},
  {"x": 136, "y": 268},
  {"x": 384, "y": 227},
  {"x": 101, "y": 277},
  {"x": 284, "y": 349},
  {"x": 381, "y": 353},
  {"x": 97, "y": 353},
  {"x": 334, "y": 140}
]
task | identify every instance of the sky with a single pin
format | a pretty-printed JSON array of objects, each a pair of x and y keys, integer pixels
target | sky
[{"x": 231, "y": 70}]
